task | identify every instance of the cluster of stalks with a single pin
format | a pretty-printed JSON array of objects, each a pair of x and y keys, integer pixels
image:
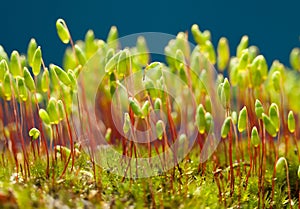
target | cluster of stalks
[{"x": 253, "y": 111}]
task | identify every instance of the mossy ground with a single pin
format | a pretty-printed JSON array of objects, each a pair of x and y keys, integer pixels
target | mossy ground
[{"x": 191, "y": 188}]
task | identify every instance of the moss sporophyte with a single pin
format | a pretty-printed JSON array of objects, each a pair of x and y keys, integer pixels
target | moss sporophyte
[{"x": 208, "y": 127}]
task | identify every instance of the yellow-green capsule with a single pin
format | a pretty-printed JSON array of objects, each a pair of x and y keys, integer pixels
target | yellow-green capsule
[
  {"x": 242, "y": 121},
  {"x": 3, "y": 69},
  {"x": 274, "y": 116},
  {"x": 260, "y": 64},
  {"x": 90, "y": 44},
  {"x": 298, "y": 172},
  {"x": 61, "y": 74},
  {"x": 223, "y": 53},
  {"x": 198, "y": 35},
  {"x": 52, "y": 111},
  {"x": 80, "y": 55},
  {"x": 291, "y": 122},
  {"x": 242, "y": 45},
  {"x": 3, "y": 54},
  {"x": 234, "y": 117},
  {"x": 15, "y": 64},
  {"x": 29, "y": 82},
  {"x": 61, "y": 109},
  {"x": 269, "y": 125},
  {"x": 209, "y": 122},
  {"x": 159, "y": 129},
  {"x": 276, "y": 80},
  {"x": 280, "y": 166},
  {"x": 54, "y": 78},
  {"x": 146, "y": 108},
  {"x": 295, "y": 58},
  {"x": 255, "y": 139},
  {"x": 258, "y": 109},
  {"x": 45, "y": 80},
  {"x": 32, "y": 46},
  {"x": 22, "y": 91},
  {"x": 142, "y": 50},
  {"x": 127, "y": 123},
  {"x": 34, "y": 133},
  {"x": 179, "y": 59},
  {"x": 253, "y": 52},
  {"x": 108, "y": 134},
  {"x": 44, "y": 116},
  {"x": 37, "y": 61},
  {"x": 73, "y": 80},
  {"x": 112, "y": 63},
  {"x": 200, "y": 119},
  {"x": 209, "y": 51},
  {"x": 62, "y": 31},
  {"x": 135, "y": 107},
  {"x": 225, "y": 127},
  {"x": 244, "y": 60},
  {"x": 112, "y": 38},
  {"x": 7, "y": 87},
  {"x": 37, "y": 97}
]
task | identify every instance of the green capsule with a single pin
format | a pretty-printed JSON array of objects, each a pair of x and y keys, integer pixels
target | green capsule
[
  {"x": 61, "y": 109},
  {"x": 44, "y": 116},
  {"x": 223, "y": 53},
  {"x": 3, "y": 54},
  {"x": 274, "y": 116},
  {"x": 298, "y": 172},
  {"x": 242, "y": 45},
  {"x": 225, "y": 127},
  {"x": 157, "y": 104},
  {"x": 280, "y": 166},
  {"x": 260, "y": 66},
  {"x": 108, "y": 134},
  {"x": 61, "y": 74},
  {"x": 111, "y": 64},
  {"x": 295, "y": 59},
  {"x": 45, "y": 82},
  {"x": 63, "y": 31},
  {"x": 52, "y": 111},
  {"x": 234, "y": 117},
  {"x": 258, "y": 109},
  {"x": 242, "y": 121},
  {"x": 37, "y": 61},
  {"x": 146, "y": 108},
  {"x": 3, "y": 69},
  {"x": 255, "y": 139},
  {"x": 112, "y": 38},
  {"x": 122, "y": 63},
  {"x": 253, "y": 52},
  {"x": 276, "y": 79},
  {"x": 28, "y": 80},
  {"x": 15, "y": 64},
  {"x": 80, "y": 55},
  {"x": 179, "y": 59},
  {"x": 209, "y": 122},
  {"x": 127, "y": 123},
  {"x": 291, "y": 122},
  {"x": 37, "y": 97},
  {"x": 135, "y": 107},
  {"x": 22, "y": 91},
  {"x": 32, "y": 46},
  {"x": 269, "y": 125},
  {"x": 200, "y": 119},
  {"x": 34, "y": 133},
  {"x": 7, "y": 87},
  {"x": 159, "y": 129},
  {"x": 225, "y": 92}
]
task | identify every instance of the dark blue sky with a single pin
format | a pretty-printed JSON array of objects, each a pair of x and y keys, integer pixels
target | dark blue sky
[{"x": 271, "y": 25}]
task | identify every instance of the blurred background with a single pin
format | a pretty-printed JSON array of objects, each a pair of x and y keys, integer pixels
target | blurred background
[{"x": 271, "y": 25}]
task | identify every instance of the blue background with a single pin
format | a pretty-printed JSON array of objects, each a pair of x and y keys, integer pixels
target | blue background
[{"x": 271, "y": 25}]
